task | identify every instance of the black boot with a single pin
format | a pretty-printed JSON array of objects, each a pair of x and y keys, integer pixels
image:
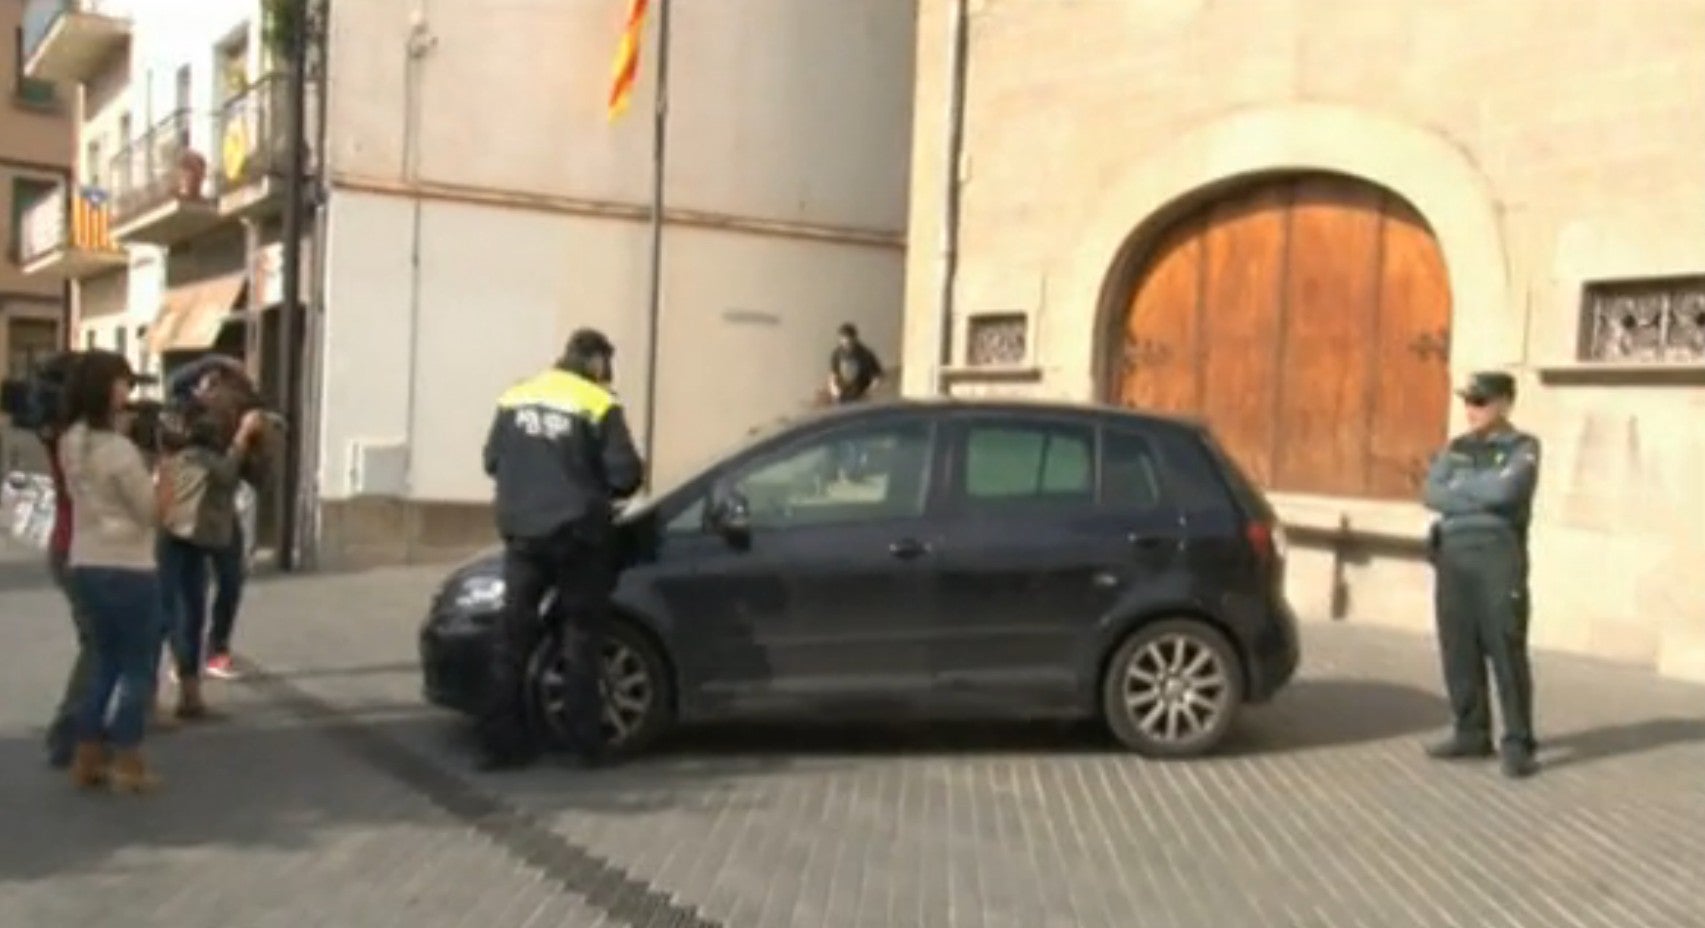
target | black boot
[
  {"x": 1519, "y": 762},
  {"x": 1460, "y": 747}
]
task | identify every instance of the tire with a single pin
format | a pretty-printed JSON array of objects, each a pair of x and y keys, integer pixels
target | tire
[
  {"x": 1172, "y": 689},
  {"x": 638, "y": 691}
]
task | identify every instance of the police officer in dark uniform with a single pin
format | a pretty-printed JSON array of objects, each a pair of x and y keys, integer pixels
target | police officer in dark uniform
[
  {"x": 1481, "y": 485},
  {"x": 562, "y": 456}
]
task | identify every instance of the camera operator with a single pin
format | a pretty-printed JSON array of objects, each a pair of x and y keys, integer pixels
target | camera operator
[
  {"x": 204, "y": 458},
  {"x": 48, "y": 385}
]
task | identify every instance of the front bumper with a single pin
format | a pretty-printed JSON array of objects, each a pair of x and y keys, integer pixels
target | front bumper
[{"x": 455, "y": 661}]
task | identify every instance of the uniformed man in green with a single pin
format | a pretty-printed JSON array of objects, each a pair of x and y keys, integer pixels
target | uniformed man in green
[{"x": 1481, "y": 486}]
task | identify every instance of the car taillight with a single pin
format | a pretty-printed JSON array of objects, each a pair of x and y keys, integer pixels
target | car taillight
[{"x": 1267, "y": 540}]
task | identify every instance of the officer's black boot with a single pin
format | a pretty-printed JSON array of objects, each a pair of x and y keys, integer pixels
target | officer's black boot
[
  {"x": 1518, "y": 760},
  {"x": 1460, "y": 747}
]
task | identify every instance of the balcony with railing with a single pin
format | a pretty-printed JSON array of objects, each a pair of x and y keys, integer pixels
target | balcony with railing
[
  {"x": 253, "y": 129},
  {"x": 68, "y": 234},
  {"x": 159, "y": 185},
  {"x": 68, "y": 40}
]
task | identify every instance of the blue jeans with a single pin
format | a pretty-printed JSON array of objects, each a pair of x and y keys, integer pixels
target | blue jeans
[
  {"x": 183, "y": 597},
  {"x": 228, "y": 577},
  {"x": 63, "y": 729},
  {"x": 125, "y": 626}
]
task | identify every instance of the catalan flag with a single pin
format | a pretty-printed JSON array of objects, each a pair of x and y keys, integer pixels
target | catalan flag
[
  {"x": 91, "y": 223},
  {"x": 626, "y": 66}
]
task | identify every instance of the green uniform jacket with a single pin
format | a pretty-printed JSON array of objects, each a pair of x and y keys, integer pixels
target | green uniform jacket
[{"x": 1484, "y": 482}]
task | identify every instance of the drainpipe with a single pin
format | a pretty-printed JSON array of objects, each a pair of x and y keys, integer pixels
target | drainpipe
[
  {"x": 948, "y": 254},
  {"x": 420, "y": 43}
]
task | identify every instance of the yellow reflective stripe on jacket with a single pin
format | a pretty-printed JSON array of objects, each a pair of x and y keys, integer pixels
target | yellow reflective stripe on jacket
[{"x": 563, "y": 392}]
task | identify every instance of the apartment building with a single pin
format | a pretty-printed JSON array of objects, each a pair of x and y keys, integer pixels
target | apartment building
[
  {"x": 35, "y": 158},
  {"x": 474, "y": 205},
  {"x": 1303, "y": 221},
  {"x": 171, "y": 191}
]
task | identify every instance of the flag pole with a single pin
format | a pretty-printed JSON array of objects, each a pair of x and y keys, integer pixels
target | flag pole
[{"x": 659, "y": 148}]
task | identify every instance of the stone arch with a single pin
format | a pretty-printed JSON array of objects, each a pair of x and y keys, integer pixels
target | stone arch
[{"x": 1424, "y": 168}]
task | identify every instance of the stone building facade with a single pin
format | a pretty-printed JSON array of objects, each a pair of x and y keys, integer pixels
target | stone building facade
[{"x": 1303, "y": 220}]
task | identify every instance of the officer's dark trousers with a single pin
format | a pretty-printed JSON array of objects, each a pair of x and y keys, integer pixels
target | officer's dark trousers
[
  {"x": 1481, "y": 599},
  {"x": 577, "y": 563}
]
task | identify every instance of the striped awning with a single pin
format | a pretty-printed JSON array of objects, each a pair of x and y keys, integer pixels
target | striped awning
[{"x": 193, "y": 313}]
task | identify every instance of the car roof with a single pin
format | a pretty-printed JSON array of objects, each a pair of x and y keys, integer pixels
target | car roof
[{"x": 1006, "y": 405}]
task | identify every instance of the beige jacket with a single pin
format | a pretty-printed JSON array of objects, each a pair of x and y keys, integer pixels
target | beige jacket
[{"x": 113, "y": 510}]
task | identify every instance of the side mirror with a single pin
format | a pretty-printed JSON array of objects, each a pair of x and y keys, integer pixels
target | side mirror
[{"x": 730, "y": 515}]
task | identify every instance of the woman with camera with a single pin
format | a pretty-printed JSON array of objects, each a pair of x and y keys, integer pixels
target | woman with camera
[
  {"x": 116, "y": 508},
  {"x": 219, "y": 383},
  {"x": 201, "y": 473}
]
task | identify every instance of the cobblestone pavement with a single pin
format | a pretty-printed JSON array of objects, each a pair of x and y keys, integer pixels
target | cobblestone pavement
[{"x": 330, "y": 796}]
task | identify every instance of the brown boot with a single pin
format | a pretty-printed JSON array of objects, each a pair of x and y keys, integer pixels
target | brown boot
[
  {"x": 130, "y": 773},
  {"x": 89, "y": 765},
  {"x": 190, "y": 704}
]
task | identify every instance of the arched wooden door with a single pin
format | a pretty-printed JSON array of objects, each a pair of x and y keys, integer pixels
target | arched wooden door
[{"x": 1307, "y": 320}]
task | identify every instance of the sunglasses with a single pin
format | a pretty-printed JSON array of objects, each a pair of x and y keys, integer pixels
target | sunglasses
[{"x": 1477, "y": 401}]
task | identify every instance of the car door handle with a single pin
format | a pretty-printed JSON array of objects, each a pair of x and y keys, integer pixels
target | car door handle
[
  {"x": 1146, "y": 542},
  {"x": 908, "y": 548}
]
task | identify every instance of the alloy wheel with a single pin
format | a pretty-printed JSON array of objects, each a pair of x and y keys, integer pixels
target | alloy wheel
[
  {"x": 1176, "y": 688},
  {"x": 629, "y": 692}
]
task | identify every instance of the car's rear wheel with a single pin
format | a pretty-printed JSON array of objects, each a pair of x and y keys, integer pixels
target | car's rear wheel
[
  {"x": 1172, "y": 689},
  {"x": 635, "y": 684}
]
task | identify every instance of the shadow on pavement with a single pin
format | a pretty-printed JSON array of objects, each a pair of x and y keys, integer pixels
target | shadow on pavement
[
  {"x": 264, "y": 779},
  {"x": 357, "y": 670},
  {"x": 857, "y": 738},
  {"x": 1309, "y": 714},
  {"x": 1325, "y": 713},
  {"x": 1613, "y": 741}
]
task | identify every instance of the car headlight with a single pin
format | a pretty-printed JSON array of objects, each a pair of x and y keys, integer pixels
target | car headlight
[{"x": 479, "y": 594}]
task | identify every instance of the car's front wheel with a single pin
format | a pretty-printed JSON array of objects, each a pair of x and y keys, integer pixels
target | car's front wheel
[
  {"x": 1172, "y": 689},
  {"x": 634, "y": 683}
]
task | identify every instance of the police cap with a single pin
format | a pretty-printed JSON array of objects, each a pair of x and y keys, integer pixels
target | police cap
[{"x": 1484, "y": 386}]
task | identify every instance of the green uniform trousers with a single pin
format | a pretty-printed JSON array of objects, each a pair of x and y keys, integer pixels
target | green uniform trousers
[{"x": 1481, "y": 599}]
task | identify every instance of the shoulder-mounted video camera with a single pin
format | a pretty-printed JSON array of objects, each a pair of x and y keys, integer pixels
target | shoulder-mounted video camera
[
  {"x": 33, "y": 400},
  {"x": 36, "y": 400}
]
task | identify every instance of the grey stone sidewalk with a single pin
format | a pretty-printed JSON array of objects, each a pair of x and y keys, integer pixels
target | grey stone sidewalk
[{"x": 331, "y": 796}]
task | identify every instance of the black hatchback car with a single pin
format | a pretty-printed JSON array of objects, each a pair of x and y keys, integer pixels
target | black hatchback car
[{"x": 933, "y": 559}]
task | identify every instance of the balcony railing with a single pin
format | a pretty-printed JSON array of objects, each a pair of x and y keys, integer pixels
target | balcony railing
[
  {"x": 63, "y": 39},
  {"x": 254, "y": 135},
  {"x": 158, "y": 168},
  {"x": 73, "y": 225}
]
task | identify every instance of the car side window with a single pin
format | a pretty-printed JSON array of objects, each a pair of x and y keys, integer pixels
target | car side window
[
  {"x": 1192, "y": 475},
  {"x": 1021, "y": 463},
  {"x": 865, "y": 473},
  {"x": 1130, "y": 473}
]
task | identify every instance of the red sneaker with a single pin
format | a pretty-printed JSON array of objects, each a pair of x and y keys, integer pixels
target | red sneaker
[{"x": 219, "y": 665}]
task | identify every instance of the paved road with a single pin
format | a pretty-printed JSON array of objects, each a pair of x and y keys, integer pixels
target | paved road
[{"x": 329, "y": 796}]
